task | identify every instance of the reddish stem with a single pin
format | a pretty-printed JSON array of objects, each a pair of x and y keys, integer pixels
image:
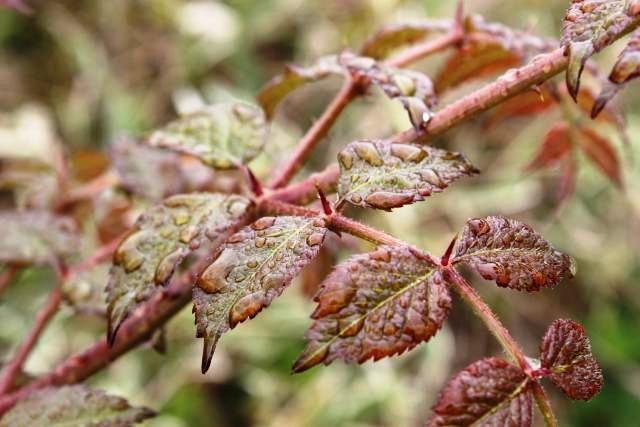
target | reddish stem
[{"x": 544, "y": 405}]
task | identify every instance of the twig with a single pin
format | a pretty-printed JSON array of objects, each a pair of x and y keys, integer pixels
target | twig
[{"x": 544, "y": 405}]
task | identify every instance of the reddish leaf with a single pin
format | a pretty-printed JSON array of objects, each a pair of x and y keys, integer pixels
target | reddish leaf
[
  {"x": 565, "y": 350},
  {"x": 395, "y": 36},
  {"x": 18, "y": 5},
  {"x": 567, "y": 180},
  {"x": 375, "y": 305},
  {"x": 489, "y": 392},
  {"x": 527, "y": 104},
  {"x": 556, "y": 145},
  {"x": 602, "y": 154},
  {"x": 512, "y": 254}
]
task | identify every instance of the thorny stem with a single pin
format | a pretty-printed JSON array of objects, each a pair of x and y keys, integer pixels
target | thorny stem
[{"x": 544, "y": 405}]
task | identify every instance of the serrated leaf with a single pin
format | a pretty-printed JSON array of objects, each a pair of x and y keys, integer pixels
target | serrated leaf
[
  {"x": 591, "y": 25},
  {"x": 375, "y": 305},
  {"x": 223, "y": 135},
  {"x": 383, "y": 175},
  {"x": 274, "y": 91},
  {"x": 512, "y": 254},
  {"x": 601, "y": 154},
  {"x": 253, "y": 268},
  {"x": 75, "y": 405},
  {"x": 162, "y": 237},
  {"x": 565, "y": 350},
  {"x": 395, "y": 36},
  {"x": 35, "y": 237},
  {"x": 489, "y": 392},
  {"x": 555, "y": 146},
  {"x": 84, "y": 291}
]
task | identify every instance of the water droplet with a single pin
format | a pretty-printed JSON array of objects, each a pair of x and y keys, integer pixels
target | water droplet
[
  {"x": 246, "y": 308},
  {"x": 350, "y": 328},
  {"x": 345, "y": 159},
  {"x": 264, "y": 222},
  {"x": 213, "y": 278},
  {"x": 355, "y": 198},
  {"x": 315, "y": 239},
  {"x": 408, "y": 153},
  {"x": 167, "y": 265},
  {"x": 252, "y": 263},
  {"x": 260, "y": 242},
  {"x": 368, "y": 152},
  {"x": 189, "y": 233},
  {"x": 432, "y": 178},
  {"x": 388, "y": 200},
  {"x": 273, "y": 281},
  {"x": 181, "y": 218},
  {"x": 381, "y": 255}
]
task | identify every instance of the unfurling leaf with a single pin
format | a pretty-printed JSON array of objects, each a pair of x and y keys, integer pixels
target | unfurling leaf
[
  {"x": 75, "y": 405},
  {"x": 601, "y": 154},
  {"x": 84, "y": 291},
  {"x": 591, "y": 25},
  {"x": 626, "y": 68},
  {"x": 395, "y": 36},
  {"x": 253, "y": 268},
  {"x": 555, "y": 147},
  {"x": 35, "y": 237},
  {"x": 565, "y": 350},
  {"x": 512, "y": 254},
  {"x": 489, "y": 392},
  {"x": 375, "y": 305},
  {"x": 162, "y": 237},
  {"x": 223, "y": 136},
  {"x": 383, "y": 175}
]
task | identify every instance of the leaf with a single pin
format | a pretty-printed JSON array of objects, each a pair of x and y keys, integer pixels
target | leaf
[
  {"x": 223, "y": 135},
  {"x": 84, "y": 291},
  {"x": 626, "y": 68},
  {"x": 36, "y": 237},
  {"x": 512, "y": 254},
  {"x": 555, "y": 146},
  {"x": 526, "y": 105},
  {"x": 292, "y": 78},
  {"x": 375, "y": 305},
  {"x": 565, "y": 350},
  {"x": 34, "y": 184},
  {"x": 489, "y": 392},
  {"x": 567, "y": 180},
  {"x": 591, "y": 25},
  {"x": 395, "y": 36},
  {"x": 382, "y": 175},
  {"x": 75, "y": 405},
  {"x": 253, "y": 268},
  {"x": 162, "y": 237},
  {"x": 602, "y": 154}
]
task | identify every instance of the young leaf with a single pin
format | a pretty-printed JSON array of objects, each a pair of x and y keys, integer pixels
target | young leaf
[
  {"x": 512, "y": 254},
  {"x": 253, "y": 268},
  {"x": 489, "y": 392},
  {"x": 35, "y": 237},
  {"x": 223, "y": 135},
  {"x": 75, "y": 405},
  {"x": 395, "y": 36},
  {"x": 375, "y": 305},
  {"x": 591, "y": 25},
  {"x": 162, "y": 237},
  {"x": 602, "y": 154},
  {"x": 383, "y": 175},
  {"x": 84, "y": 291},
  {"x": 555, "y": 146},
  {"x": 565, "y": 350}
]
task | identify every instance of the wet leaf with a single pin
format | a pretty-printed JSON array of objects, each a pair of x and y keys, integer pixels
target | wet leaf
[
  {"x": 556, "y": 146},
  {"x": 375, "y": 305},
  {"x": 565, "y": 350},
  {"x": 35, "y": 237},
  {"x": 162, "y": 237},
  {"x": 601, "y": 154},
  {"x": 591, "y": 25},
  {"x": 382, "y": 175},
  {"x": 489, "y": 392},
  {"x": 512, "y": 254},
  {"x": 223, "y": 135},
  {"x": 84, "y": 291},
  {"x": 253, "y": 268},
  {"x": 75, "y": 405},
  {"x": 395, "y": 36}
]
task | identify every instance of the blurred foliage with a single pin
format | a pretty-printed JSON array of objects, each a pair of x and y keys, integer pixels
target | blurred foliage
[{"x": 82, "y": 73}]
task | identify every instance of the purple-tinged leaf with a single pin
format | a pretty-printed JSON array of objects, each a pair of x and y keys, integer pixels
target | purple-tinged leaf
[
  {"x": 601, "y": 154},
  {"x": 555, "y": 146},
  {"x": 395, "y": 36}
]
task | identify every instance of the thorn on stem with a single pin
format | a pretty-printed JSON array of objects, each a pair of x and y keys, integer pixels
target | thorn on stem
[
  {"x": 254, "y": 184},
  {"x": 326, "y": 206},
  {"x": 444, "y": 261}
]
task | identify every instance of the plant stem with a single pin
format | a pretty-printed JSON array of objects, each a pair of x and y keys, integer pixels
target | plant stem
[{"x": 544, "y": 405}]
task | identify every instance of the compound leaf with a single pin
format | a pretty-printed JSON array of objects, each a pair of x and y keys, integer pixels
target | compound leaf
[
  {"x": 75, "y": 405},
  {"x": 489, "y": 392},
  {"x": 565, "y": 350},
  {"x": 375, "y": 305},
  {"x": 383, "y": 175},
  {"x": 253, "y": 268},
  {"x": 601, "y": 154},
  {"x": 512, "y": 254},
  {"x": 223, "y": 135},
  {"x": 591, "y": 25},
  {"x": 162, "y": 237},
  {"x": 395, "y": 36}
]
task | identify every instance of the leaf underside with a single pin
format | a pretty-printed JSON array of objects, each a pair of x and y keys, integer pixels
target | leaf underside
[
  {"x": 254, "y": 267},
  {"x": 383, "y": 175},
  {"x": 162, "y": 237},
  {"x": 512, "y": 254},
  {"x": 489, "y": 392},
  {"x": 75, "y": 405},
  {"x": 223, "y": 135},
  {"x": 566, "y": 351},
  {"x": 373, "y": 306}
]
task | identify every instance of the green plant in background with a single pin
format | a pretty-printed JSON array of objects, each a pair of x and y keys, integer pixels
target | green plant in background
[{"x": 246, "y": 247}]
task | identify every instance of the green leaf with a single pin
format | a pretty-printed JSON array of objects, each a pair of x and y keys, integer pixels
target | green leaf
[
  {"x": 35, "y": 237},
  {"x": 395, "y": 36},
  {"x": 591, "y": 25},
  {"x": 223, "y": 136},
  {"x": 382, "y": 175},
  {"x": 162, "y": 237},
  {"x": 84, "y": 291},
  {"x": 375, "y": 305},
  {"x": 253, "y": 268},
  {"x": 512, "y": 254},
  {"x": 75, "y": 405}
]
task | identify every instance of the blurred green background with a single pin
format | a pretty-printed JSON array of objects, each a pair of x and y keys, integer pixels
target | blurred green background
[{"x": 83, "y": 72}]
